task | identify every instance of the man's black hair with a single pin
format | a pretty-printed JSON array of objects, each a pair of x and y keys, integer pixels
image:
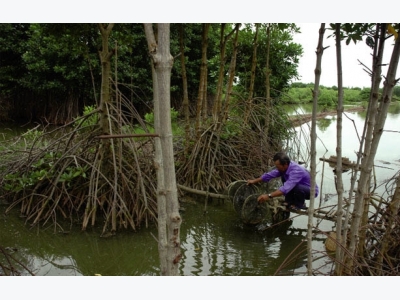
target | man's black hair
[{"x": 282, "y": 157}]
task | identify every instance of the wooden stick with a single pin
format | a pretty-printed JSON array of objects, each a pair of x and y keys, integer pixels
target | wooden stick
[
  {"x": 112, "y": 136},
  {"x": 202, "y": 193}
]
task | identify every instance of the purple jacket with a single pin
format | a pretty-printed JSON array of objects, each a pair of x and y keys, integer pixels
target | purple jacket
[{"x": 295, "y": 174}]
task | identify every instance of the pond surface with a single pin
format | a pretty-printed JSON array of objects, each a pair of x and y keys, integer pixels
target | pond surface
[
  {"x": 214, "y": 244},
  {"x": 387, "y": 159}
]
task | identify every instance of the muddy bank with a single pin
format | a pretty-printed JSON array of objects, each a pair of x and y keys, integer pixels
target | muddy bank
[{"x": 300, "y": 119}]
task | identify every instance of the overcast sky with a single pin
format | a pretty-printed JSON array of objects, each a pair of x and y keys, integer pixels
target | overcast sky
[{"x": 353, "y": 73}]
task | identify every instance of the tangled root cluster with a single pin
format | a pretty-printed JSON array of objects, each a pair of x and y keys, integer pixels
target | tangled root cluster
[{"x": 76, "y": 173}]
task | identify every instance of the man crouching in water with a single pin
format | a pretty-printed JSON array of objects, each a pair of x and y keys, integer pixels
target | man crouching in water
[{"x": 296, "y": 182}]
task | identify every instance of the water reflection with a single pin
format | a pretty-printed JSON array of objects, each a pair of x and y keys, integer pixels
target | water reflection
[
  {"x": 394, "y": 108},
  {"x": 219, "y": 244},
  {"x": 47, "y": 253},
  {"x": 214, "y": 244},
  {"x": 323, "y": 124}
]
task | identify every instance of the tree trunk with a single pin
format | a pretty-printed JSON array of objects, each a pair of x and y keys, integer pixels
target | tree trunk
[
  {"x": 105, "y": 59},
  {"x": 370, "y": 124},
  {"x": 221, "y": 74},
  {"x": 368, "y": 161},
  {"x": 369, "y": 120},
  {"x": 104, "y": 119},
  {"x": 320, "y": 52},
  {"x": 249, "y": 101},
  {"x": 202, "y": 83},
  {"x": 158, "y": 163},
  {"x": 232, "y": 69},
  {"x": 185, "y": 102},
  {"x": 204, "y": 113},
  {"x": 339, "y": 168},
  {"x": 268, "y": 83},
  {"x": 167, "y": 191}
]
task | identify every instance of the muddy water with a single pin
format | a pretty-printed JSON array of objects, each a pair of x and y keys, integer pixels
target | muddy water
[{"x": 214, "y": 244}]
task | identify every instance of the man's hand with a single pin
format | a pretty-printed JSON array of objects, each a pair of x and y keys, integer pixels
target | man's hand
[
  {"x": 251, "y": 181},
  {"x": 262, "y": 198}
]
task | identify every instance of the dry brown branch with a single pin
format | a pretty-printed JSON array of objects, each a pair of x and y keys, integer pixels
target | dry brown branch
[{"x": 60, "y": 174}]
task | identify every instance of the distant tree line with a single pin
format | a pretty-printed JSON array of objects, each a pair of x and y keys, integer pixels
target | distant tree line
[
  {"x": 301, "y": 93},
  {"x": 49, "y": 72}
]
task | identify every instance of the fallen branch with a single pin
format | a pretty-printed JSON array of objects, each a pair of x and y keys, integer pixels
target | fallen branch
[{"x": 202, "y": 193}]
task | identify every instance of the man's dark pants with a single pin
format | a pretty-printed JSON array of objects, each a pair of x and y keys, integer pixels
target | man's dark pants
[{"x": 298, "y": 195}]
